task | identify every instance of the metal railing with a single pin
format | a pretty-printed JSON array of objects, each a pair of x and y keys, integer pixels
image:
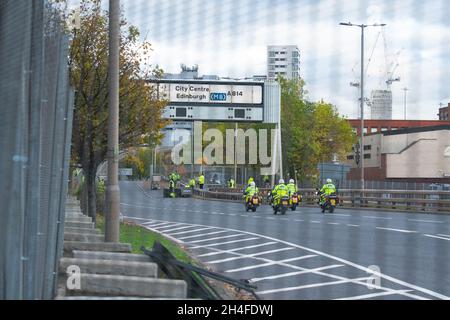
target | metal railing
[
  {"x": 408, "y": 200},
  {"x": 197, "y": 286}
]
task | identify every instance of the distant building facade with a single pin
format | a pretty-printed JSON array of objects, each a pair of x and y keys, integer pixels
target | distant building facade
[
  {"x": 284, "y": 61},
  {"x": 444, "y": 113},
  {"x": 381, "y": 126},
  {"x": 419, "y": 154}
]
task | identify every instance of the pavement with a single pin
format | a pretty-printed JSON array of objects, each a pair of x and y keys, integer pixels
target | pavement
[{"x": 350, "y": 254}]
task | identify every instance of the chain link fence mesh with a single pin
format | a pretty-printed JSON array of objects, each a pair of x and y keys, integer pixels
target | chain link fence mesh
[{"x": 35, "y": 130}]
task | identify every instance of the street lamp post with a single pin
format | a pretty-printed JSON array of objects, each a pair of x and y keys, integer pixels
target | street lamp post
[
  {"x": 404, "y": 101},
  {"x": 112, "y": 190},
  {"x": 361, "y": 86}
]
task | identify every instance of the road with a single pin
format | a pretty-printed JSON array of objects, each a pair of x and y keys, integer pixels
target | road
[{"x": 350, "y": 254}]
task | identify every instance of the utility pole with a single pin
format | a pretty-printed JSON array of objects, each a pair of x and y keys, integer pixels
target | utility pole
[
  {"x": 112, "y": 189},
  {"x": 361, "y": 84},
  {"x": 405, "y": 89},
  {"x": 235, "y": 153}
]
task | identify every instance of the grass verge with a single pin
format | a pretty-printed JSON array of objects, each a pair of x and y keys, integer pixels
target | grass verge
[{"x": 138, "y": 236}]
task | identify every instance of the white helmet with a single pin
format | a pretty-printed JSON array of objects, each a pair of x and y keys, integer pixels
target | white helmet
[
  {"x": 281, "y": 181},
  {"x": 291, "y": 181},
  {"x": 329, "y": 181},
  {"x": 252, "y": 183}
]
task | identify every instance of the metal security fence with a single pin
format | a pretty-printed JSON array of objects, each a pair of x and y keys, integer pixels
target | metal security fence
[{"x": 35, "y": 132}]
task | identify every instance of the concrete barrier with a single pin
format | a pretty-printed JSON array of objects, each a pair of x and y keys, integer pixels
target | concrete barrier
[
  {"x": 87, "y": 225},
  {"x": 69, "y": 236},
  {"x": 110, "y": 267},
  {"x": 70, "y": 246},
  {"x": 82, "y": 230},
  {"x": 110, "y": 256},
  {"x": 113, "y": 285}
]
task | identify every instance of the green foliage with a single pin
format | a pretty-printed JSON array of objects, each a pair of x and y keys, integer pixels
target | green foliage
[
  {"x": 312, "y": 132},
  {"x": 140, "y": 114}
]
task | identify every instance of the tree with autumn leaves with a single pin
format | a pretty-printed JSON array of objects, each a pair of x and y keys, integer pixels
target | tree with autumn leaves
[
  {"x": 140, "y": 113},
  {"x": 311, "y": 132}
]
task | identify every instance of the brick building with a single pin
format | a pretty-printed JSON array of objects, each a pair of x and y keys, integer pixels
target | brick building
[{"x": 381, "y": 126}]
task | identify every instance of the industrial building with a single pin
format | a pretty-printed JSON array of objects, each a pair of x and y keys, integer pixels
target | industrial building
[{"x": 420, "y": 154}]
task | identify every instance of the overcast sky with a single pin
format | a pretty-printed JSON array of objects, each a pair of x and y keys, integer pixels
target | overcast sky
[{"x": 229, "y": 38}]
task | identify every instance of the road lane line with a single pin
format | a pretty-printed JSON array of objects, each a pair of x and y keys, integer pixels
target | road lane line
[
  {"x": 443, "y": 235},
  {"x": 429, "y": 221},
  {"x": 189, "y": 231},
  {"x": 152, "y": 224},
  {"x": 314, "y": 221},
  {"x": 248, "y": 255},
  {"x": 333, "y": 223},
  {"x": 373, "y": 295},
  {"x": 431, "y": 236},
  {"x": 352, "y": 225},
  {"x": 347, "y": 262},
  {"x": 237, "y": 249},
  {"x": 398, "y": 230},
  {"x": 298, "y": 220},
  {"x": 372, "y": 217},
  {"x": 179, "y": 228},
  {"x": 270, "y": 263},
  {"x": 216, "y": 238},
  {"x": 290, "y": 274},
  {"x": 313, "y": 285},
  {"x": 203, "y": 234},
  {"x": 222, "y": 243},
  {"x": 339, "y": 215}
]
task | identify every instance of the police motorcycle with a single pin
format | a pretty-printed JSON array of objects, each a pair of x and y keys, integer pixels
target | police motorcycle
[
  {"x": 329, "y": 202},
  {"x": 282, "y": 206},
  {"x": 251, "y": 203}
]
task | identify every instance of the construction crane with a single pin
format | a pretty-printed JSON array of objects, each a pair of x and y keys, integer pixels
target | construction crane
[{"x": 392, "y": 67}]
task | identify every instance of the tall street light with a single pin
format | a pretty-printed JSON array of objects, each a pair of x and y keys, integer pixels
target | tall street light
[
  {"x": 404, "y": 101},
  {"x": 361, "y": 86},
  {"x": 112, "y": 220}
]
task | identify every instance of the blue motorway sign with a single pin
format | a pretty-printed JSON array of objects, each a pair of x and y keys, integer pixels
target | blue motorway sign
[{"x": 216, "y": 96}]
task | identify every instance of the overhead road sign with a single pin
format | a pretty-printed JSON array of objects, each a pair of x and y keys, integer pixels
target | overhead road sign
[{"x": 199, "y": 100}]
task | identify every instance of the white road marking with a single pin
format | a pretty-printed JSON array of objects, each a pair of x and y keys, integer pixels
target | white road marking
[
  {"x": 373, "y": 295},
  {"x": 153, "y": 224},
  {"x": 352, "y": 225},
  {"x": 372, "y": 217},
  {"x": 333, "y": 223},
  {"x": 431, "y": 236},
  {"x": 270, "y": 263},
  {"x": 189, "y": 231},
  {"x": 270, "y": 218},
  {"x": 248, "y": 256},
  {"x": 313, "y": 221},
  {"x": 170, "y": 230},
  {"x": 398, "y": 230},
  {"x": 429, "y": 221},
  {"x": 232, "y": 214},
  {"x": 237, "y": 249},
  {"x": 290, "y": 274},
  {"x": 444, "y": 235},
  {"x": 216, "y": 238},
  {"x": 339, "y": 215},
  {"x": 203, "y": 234},
  {"x": 313, "y": 285},
  {"x": 299, "y": 220},
  {"x": 347, "y": 262},
  {"x": 222, "y": 243}
]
